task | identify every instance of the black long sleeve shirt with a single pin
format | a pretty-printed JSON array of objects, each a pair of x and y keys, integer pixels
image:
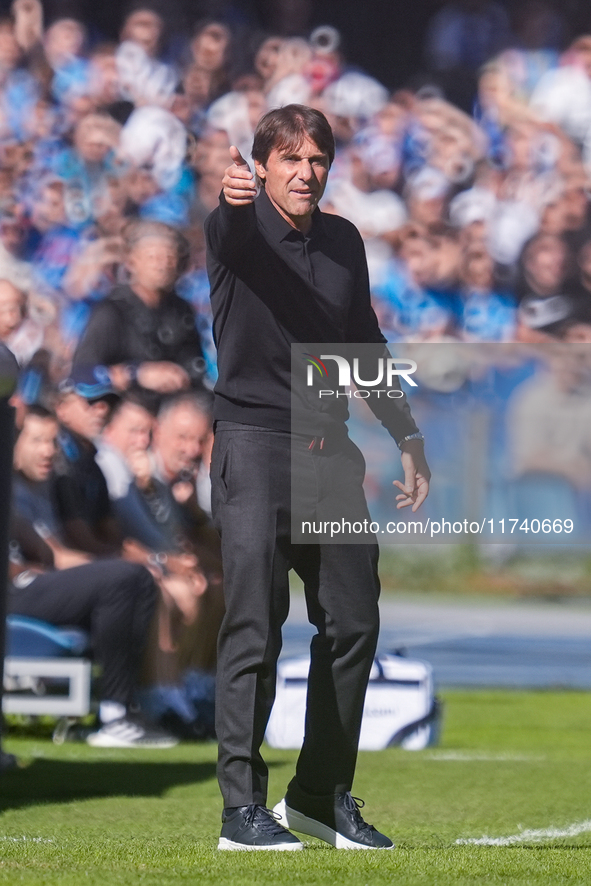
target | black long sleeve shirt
[
  {"x": 272, "y": 286},
  {"x": 122, "y": 329}
]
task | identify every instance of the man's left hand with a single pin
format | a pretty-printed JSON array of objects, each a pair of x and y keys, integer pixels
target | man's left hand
[{"x": 415, "y": 488}]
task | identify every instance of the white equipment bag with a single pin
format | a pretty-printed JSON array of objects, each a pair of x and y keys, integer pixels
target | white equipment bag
[{"x": 400, "y": 706}]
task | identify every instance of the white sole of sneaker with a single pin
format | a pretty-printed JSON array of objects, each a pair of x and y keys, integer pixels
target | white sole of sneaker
[
  {"x": 99, "y": 741},
  {"x": 296, "y": 821},
  {"x": 224, "y": 843}
]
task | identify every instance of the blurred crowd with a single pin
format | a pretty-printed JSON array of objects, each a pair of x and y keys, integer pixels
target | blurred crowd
[
  {"x": 476, "y": 224},
  {"x": 471, "y": 191}
]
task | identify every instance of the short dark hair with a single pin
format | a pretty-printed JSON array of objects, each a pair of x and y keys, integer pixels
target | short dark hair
[
  {"x": 34, "y": 410},
  {"x": 286, "y": 128}
]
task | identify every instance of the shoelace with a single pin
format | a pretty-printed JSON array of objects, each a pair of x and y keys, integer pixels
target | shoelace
[
  {"x": 265, "y": 819},
  {"x": 353, "y": 805}
]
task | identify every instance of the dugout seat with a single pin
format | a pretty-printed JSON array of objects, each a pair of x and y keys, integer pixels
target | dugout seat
[{"x": 46, "y": 670}]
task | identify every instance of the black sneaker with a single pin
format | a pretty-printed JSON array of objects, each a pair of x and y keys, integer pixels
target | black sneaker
[
  {"x": 254, "y": 827},
  {"x": 335, "y": 818}
]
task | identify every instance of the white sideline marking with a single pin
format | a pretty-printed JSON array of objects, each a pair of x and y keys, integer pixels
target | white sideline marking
[
  {"x": 468, "y": 756},
  {"x": 531, "y": 836}
]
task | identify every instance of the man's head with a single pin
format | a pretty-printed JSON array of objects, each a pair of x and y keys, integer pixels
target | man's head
[
  {"x": 63, "y": 40},
  {"x": 144, "y": 26},
  {"x": 36, "y": 446},
  {"x": 49, "y": 209},
  {"x": 84, "y": 400},
  {"x": 181, "y": 433},
  {"x": 129, "y": 428},
  {"x": 10, "y": 50},
  {"x": 210, "y": 45},
  {"x": 293, "y": 150},
  {"x": 546, "y": 261},
  {"x": 12, "y": 308},
  {"x": 94, "y": 136},
  {"x": 12, "y": 233},
  {"x": 154, "y": 255}
]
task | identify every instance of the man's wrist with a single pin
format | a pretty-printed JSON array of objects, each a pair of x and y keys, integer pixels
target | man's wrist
[
  {"x": 416, "y": 436},
  {"x": 159, "y": 560}
]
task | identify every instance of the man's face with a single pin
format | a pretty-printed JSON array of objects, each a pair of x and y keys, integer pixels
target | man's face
[
  {"x": 295, "y": 181},
  {"x": 92, "y": 142},
  {"x": 153, "y": 263},
  {"x": 11, "y": 235},
  {"x": 545, "y": 264},
  {"x": 49, "y": 209},
  {"x": 144, "y": 27},
  {"x": 64, "y": 39},
  {"x": 210, "y": 46},
  {"x": 10, "y": 309},
  {"x": 84, "y": 417},
  {"x": 130, "y": 429},
  {"x": 35, "y": 449},
  {"x": 179, "y": 439},
  {"x": 9, "y": 49}
]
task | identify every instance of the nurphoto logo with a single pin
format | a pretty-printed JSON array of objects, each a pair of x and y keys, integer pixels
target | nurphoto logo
[{"x": 387, "y": 371}]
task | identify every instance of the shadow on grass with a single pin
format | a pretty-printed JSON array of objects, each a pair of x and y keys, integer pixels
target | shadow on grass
[{"x": 61, "y": 781}]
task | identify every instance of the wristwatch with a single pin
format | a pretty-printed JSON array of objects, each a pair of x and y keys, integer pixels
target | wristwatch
[{"x": 417, "y": 436}]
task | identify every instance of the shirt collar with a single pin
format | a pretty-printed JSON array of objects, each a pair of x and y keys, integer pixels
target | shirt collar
[{"x": 279, "y": 228}]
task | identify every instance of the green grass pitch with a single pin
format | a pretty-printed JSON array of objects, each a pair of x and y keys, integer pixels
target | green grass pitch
[{"x": 512, "y": 767}]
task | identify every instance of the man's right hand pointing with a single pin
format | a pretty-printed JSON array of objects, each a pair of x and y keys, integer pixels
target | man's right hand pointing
[{"x": 238, "y": 181}]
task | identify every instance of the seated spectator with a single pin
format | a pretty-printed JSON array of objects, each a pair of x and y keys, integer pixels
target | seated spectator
[
  {"x": 12, "y": 236},
  {"x": 550, "y": 412},
  {"x": 83, "y": 503},
  {"x": 407, "y": 309},
  {"x": 152, "y": 512},
  {"x": 161, "y": 509},
  {"x": 112, "y": 599},
  {"x": 90, "y": 521},
  {"x": 58, "y": 237},
  {"x": 85, "y": 166},
  {"x": 487, "y": 315},
  {"x": 22, "y": 335},
  {"x": 126, "y": 436},
  {"x": 144, "y": 332},
  {"x": 546, "y": 288},
  {"x": 210, "y": 51},
  {"x": 145, "y": 27}
]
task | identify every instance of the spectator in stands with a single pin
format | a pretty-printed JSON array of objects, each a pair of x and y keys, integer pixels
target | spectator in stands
[
  {"x": 82, "y": 407},
  {"x": 163, "y": 511},
  {"x": 22, "y": 335},
  {"x": 403, "y": 298},
  {"x": 144, "y": 27},
  {"x": 487, "y": 315},
  {"x": 89, "y": 519},
  {"x": 112, "y": 599},
  {"x": 210, "y": 51},
  {"x": 144, "y": 332},
  {"x": 13, "y": 266},
  {"x": 461, "y": 37},
  {"x": 550, "y": 412},
  {"x": 127, "y": 434}
]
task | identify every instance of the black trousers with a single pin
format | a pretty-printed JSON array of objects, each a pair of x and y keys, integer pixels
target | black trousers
[
  {"x": 251, "y": 507},
  {"x": 112, "y": 599}
]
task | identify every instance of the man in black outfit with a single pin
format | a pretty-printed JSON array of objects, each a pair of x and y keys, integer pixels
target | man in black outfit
[
  {"x": 282, "y": 272},
  {"x": 112, "y": 599},
  {"x": 143, "y": 332}
]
